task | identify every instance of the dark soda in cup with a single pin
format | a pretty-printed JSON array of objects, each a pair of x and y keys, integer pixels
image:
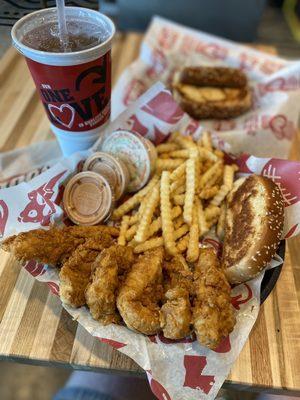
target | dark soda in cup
[{"x": 73, "y": 80}]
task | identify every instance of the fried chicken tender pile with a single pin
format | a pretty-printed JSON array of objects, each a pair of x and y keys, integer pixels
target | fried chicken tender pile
[
  {"x": 175, "y": 314},
  {"x": 146, "y": 292},
  {"x": 140, "y": 295},
  {"x": 53, "y": 246},
  {"x": 213, "y": 314},
  {"x": 109, "y": 270},
  {"x": 73, "y": 247},
  {"x": 76, "y": 271}
]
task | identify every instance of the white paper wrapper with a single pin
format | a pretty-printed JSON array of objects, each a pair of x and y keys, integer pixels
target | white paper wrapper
[
  {"x": 266, "y": 130},
  {"x": 176, "y": 370}
]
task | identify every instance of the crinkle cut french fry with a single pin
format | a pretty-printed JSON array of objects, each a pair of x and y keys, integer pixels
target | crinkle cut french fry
[
  {"x": 176, "y": 212},
  {"x": 123, "y": 230},
  {"x": 221, "y": 222},
  {"x": 228, "y": 176},
  {"x": 147, "y": 215},
  {"x": 203, "y": 227},
  {"x": 131, "y": 232},
  {"x": 176, "y": 184},
  {"x": 219, "y": 153},
  {"x": 156, "y": 224},
  {"x": 183, "y": 243},
  {"x": 168, "y": 164},
  {"x": 164, "y": 156},
  {"x": 193, "y": 152},
  {"x": 166, "y": 147},
  {"x": 178, "y": 172},
  {"x": 133, "y": 201},
  {"x": 212, "y": 221},
  {"x": 149, "y": 245},
  {"x": 220, "y": 196},
  {"x": 190, "y": 190},
  {"x": 178, "y": 222},
  {"x": 133, "y": 219},
  {"x": 211, "y": 212},
  {"x": 184, "y": 153},
  {"x": 207, "y": 179},
  {"x": 165, "y": 209},
  {"x": 193, "y": 246},
  {"x": 208, "y": 193},
  {"x": 181, "y": 231},
  {"x": 137, "y": 216},
  {"x": 195, "y": 155},
  {"x": 206, "y": 154},
  {"x": 180, "y": 190},
  {"x": 173, "y": 137},
  {"x": 206, "y": 140},
  {"x": 159, "y": 241},
  {"x": 178, "y": 199},
  {"x": 185, "y": 141}
]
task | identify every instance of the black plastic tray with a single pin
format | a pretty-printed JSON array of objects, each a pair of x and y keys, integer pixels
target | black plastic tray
[{"x": 271, "y": 276}]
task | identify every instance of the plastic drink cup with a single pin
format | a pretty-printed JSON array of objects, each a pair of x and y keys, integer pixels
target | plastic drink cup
[{"x": 74, "y": 86}]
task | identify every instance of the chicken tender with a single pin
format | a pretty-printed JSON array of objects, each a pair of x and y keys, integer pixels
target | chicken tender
[
  {"x": 76, "y": 271},
  {"x": 108, "y": 272},
  {"x": 177, "y": 273},
  {"x": 175, "y": 314},
  {"x": 54, "y": 246},
  {"x": 141, "y": 292},
  {"x": 213, "y": 314}
]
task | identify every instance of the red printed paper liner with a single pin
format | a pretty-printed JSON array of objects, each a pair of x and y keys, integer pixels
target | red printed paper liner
[
  {"x": 176, "y": 370},
  {"x": 266, "y": 130}
]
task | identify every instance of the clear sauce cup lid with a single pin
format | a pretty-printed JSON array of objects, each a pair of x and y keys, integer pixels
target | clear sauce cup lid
[
  {"x": 133, "y": 151},
  {"x": 112, "y": 168},
  {"x": 88, "y": 198}
]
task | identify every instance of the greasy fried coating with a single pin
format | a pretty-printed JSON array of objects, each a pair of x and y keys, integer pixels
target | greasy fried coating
[
  {"x": 177, "y": 273},
  {"x": 139, "y": 296},
  {"x": 175, "y": 314},
  {"x": 55, "y": 245},
  {"x": 91, "y": 231},
  {"x": 213, "y": 314},
  {"x": 76, "y": 271},
  {"x": 108, "y": 270}
]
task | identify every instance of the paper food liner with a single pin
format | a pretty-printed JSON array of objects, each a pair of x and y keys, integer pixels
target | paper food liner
[
  {"x": 176, "y": 370},
  {"x": 266, "y": 130}
]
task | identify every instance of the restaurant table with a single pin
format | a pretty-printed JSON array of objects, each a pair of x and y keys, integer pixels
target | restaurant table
[{"x": 35, "y": 329}]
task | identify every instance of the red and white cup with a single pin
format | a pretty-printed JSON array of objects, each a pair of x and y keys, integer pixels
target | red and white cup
[{"x": 75, "y": 88}]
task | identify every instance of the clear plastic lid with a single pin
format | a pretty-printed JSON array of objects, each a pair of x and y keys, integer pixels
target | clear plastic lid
[
  {"x": 134, "y": 152},
  {"x": 112, "y": 168},
  {"x": 152, "y": 152},
  {"x": 88, "y": 198}
]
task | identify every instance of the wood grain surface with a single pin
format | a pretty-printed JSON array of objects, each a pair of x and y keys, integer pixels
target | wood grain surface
[{"x": 35, "y": 329}]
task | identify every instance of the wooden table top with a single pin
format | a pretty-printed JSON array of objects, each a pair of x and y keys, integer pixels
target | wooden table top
[{"x": 34, "y": 328}]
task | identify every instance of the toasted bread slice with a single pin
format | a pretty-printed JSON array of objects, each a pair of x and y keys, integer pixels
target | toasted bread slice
[
  {"x": 212, "y": 92},
  {"x": 254, "y": 224},
  {"x": 213, "y": 76}
]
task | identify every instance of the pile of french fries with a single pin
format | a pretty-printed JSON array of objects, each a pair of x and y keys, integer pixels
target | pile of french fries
[{"x": 183, "y": 200}]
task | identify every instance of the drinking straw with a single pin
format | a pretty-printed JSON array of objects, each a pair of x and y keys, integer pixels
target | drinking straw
[{"x": 62, "y": 25}]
